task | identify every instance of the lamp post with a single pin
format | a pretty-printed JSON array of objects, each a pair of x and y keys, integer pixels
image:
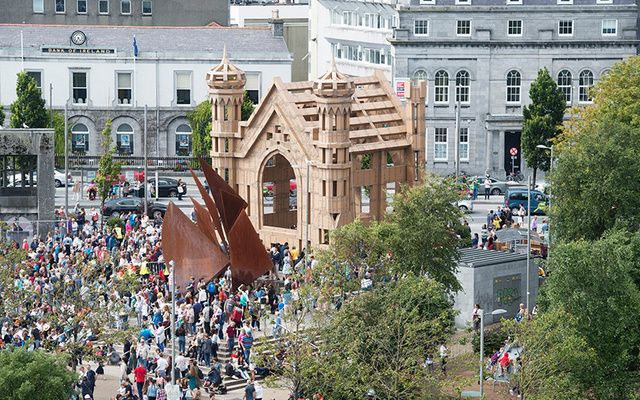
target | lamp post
[
  {"x": 528, "y": 236},
  {"x": 550, "y": 148},
  {"x": 173, "y": 321},
  {"x": 308, "y": 201},
  {"x": 498, "y": 311}
]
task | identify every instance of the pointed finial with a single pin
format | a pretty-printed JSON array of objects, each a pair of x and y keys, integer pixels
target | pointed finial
[
  {"x": 225, "y": 59},
  {"x": 334, "y": 68}
]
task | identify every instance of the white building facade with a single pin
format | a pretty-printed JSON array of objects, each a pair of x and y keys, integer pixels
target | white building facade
[
  {"x": 355, "y": 33},
  {"x": 91, "y": 70}
]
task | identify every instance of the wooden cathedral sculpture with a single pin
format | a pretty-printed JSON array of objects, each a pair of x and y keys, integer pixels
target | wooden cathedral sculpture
[{"x": 222, "y": 236}]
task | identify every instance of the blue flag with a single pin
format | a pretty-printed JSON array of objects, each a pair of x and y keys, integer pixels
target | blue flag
[{"x": 135, "y": 46}]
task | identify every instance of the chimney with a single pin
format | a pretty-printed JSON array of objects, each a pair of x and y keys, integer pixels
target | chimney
[{"x": 277, "y": 24}]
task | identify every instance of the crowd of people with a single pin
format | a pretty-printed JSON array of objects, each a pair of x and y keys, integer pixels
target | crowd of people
[{"x": 216, "y": 325}]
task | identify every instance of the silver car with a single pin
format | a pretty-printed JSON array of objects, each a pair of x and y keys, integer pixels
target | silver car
[{"x": 499, "y": 187}]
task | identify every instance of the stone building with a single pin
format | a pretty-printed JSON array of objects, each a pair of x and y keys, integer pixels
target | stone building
[
  {"x": 484, "y": 54},
  {"x": 92, "y": 70},
  {"x": 27, "y": 191},
  {"x": 116, "y": 12},
  {"x": 315, "y": 154}
]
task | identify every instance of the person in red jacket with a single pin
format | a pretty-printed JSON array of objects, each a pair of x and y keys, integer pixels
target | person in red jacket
[{"x": 140, "y": 375}]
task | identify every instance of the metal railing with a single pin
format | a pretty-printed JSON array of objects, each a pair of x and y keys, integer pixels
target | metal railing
[{"x": 129, "y": 162}]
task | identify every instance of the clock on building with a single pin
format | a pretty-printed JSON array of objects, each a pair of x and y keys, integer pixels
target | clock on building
[{"x": 78, "y": 38}]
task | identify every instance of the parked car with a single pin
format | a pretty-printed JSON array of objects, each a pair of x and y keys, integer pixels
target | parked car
[
  {"x": 499, "y": 187},
  {"x": 167, "y": 187},
  {"x": 518, "y": 196},
  {"x": 123, "y": 205},
  {"x": 58, "y": 176},
  {"x": 465, "y": 205}
]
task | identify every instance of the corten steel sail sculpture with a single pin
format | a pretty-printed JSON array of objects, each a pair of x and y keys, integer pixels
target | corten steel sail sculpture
[{"x": 197, "y": 249}]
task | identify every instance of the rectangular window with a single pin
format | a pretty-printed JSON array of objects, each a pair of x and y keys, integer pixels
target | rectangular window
[
  {"x": 440, "y": 144},
  {"x": 82, "y": 6},
  {"x": 604, "y": 1},
  {"x": 147, "y": 7},
  {"x": 464, "y": 144},
  {"x": 103, "y": 6},
  {"x": 79, "y": 87},
  {"x": 565, "y": 1},
  {"x": 334, "y": 188},
  {"x": 463, "y": 28},
  {"x": 252, "y": 86},
  {"x": 565, "y": 28},
  {"x": 428, "y": 2},
  {"x": 61, "y": 6},
  {"x": 515, "y": 28},
  {"x": 514, "y": 2},
  {"x": 125, "y": 7},
  {"x": 609, "y": 27},
  {"x": 183, "y": 87},
  {"x": 124, "y": 87},
  {"x": 38, "y": 6},
  {"x": 336, "y": 18},
  {"x": 421, "y": 27},
  {"x": 463, "y": 2},
  {"x": 37, "y": 76}
]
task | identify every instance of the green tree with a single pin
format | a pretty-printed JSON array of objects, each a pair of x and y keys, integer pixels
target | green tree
[
  {"x": 35, "y": 375},
  {"x": 598, "y": 284},
  {"x": 29, "y": 107},
  {"x": 200, "y": 121},
  {"x": 557, "y": 362},
  {"x": 425, "y": 222},
  {"x": 57, "y": 120},
  {"x": 380, "y": 340},
  {"x": 247, "y": 107},
  {"x": 1, "y": 115},
  {"x": 542, "y": 120},
  {"x": 596, "y": 175},
  {"x": 108, "y": 170}
]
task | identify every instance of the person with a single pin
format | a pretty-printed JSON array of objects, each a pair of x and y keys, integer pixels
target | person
[
  {"x": 259, "y": 390},
  {"x": 443, "y": 358},
  {"x": 140, "y": 375},
  {"x": 534, "y": 224},
  {"x": 476, "y": 314},
  {"x": 181, "y": 187},
  {"x": 487, "y": 188},
  {"x": 522, "y": 313},
  {"x": 249, "y": 391},
  {"x": 475, "y": 186},
  {"x": 152, "y": 389},
  {"x": 76, "y": 190},
  {"x": 475, "y": 241},
  {"x": 429, "y": 364}
]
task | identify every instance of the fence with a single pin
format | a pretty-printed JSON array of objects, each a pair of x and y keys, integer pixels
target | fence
[{"x": 156, "y": 163}]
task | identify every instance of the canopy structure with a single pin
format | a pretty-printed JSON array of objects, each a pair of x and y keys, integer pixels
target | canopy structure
[{"x": 221, "y": 236}]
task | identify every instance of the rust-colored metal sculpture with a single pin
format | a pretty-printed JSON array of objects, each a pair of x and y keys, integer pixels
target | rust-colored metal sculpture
[
  {"x": 196, "y": 248},
  {"x": 194, "y": 253}
]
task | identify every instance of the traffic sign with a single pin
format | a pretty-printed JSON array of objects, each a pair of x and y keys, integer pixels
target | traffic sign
[{"x": 513, "y": 151}]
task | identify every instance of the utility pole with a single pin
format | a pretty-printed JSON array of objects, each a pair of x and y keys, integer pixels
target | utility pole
[
  {"x": 308, "y": 201},
  {"x": 457, "y": 141},
  {"x": 528, "y": 239},
  {"x": 146, "y": 192},
  {"x": 50, "y": 103},
  {"x": 173, "y": 321},
  {"x": 66, "y": 164}
]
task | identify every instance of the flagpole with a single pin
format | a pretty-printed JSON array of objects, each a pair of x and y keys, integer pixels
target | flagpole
[{"x": 134, "y": 81}]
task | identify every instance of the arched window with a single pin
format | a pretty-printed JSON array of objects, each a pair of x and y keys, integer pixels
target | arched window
[
  {"x": 442, "y": 86},
  {"x": 80, "y": 139},
  {"x": 419, "y": 75},
  {"x": 183, "y": 140},
  {"x": 462, "y": 87},
  {"x": 124, "y": 139},
  {"x": 513, "y": 86},
  {"x": 584, "y": 85},
  {"x": 564, "y": 84}
]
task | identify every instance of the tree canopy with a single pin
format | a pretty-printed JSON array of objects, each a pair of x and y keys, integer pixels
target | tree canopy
[
  {"x": 596, "y": 175},
  {"x": 597, "y": 283},
  {"x": 380, "y": 340},
  {"x": 29, "y": 107},
  {"x": 542, "y": 120},
  {"x": 108, "y": 169},
  {"x": 35, "y": 375},
  {"x": 1, "y": 115}
]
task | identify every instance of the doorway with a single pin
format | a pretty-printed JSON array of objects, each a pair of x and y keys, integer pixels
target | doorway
[
  {"x": 279, "y": 193},
  {"x": 512, "y": 141}
]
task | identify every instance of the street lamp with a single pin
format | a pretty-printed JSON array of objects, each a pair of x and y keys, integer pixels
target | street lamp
[
  {"x": 498, "y": 311},
  {"x": 550, "y": 148}
]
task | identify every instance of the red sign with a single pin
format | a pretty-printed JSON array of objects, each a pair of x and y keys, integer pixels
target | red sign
[
  {"x": 513, "y": 151},
  {"x": 401, "y": 85}
]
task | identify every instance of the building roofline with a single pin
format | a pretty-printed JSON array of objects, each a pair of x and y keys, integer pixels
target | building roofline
[{"x": 203, "y": 27}]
